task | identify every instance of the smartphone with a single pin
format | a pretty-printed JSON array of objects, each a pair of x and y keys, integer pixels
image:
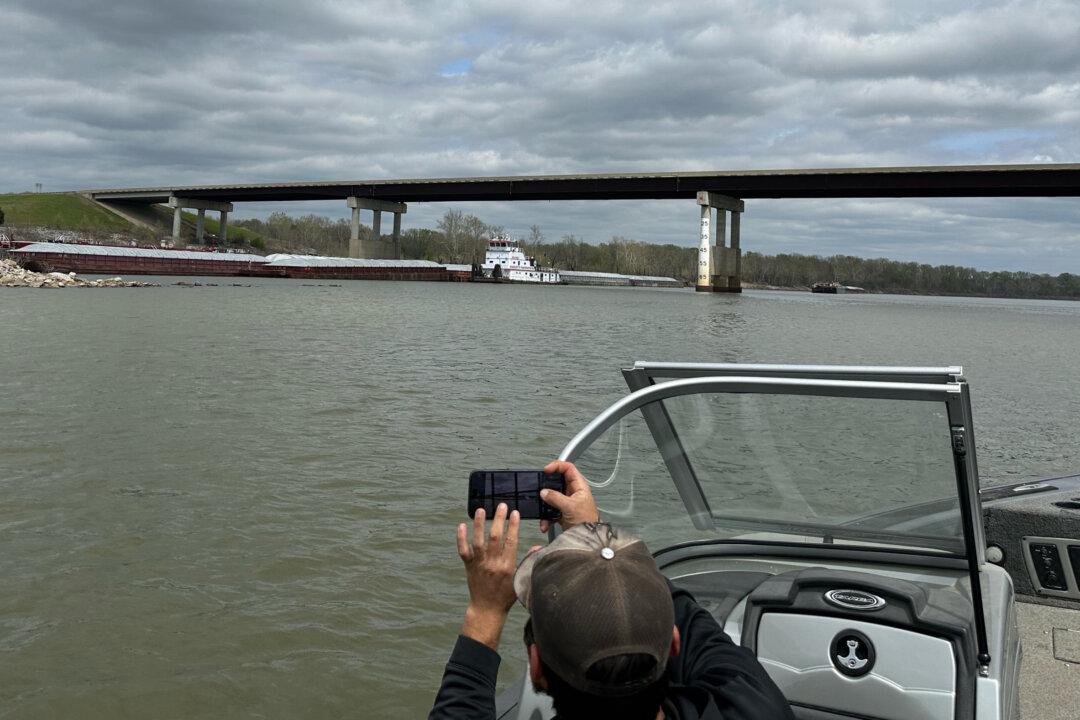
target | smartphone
[{"x": 519, "y": 489}]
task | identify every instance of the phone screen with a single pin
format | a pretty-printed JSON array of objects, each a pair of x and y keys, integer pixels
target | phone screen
[{"x": 519, "y": 489}]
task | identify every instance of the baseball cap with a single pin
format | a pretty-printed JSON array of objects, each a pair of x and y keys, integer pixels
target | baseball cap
[{"x": 593, "y": 593}]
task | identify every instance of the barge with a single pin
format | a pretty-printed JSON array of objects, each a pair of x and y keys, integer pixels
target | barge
[
  {"x": 112, "y": 260},
  {"x": 588, "y": 277},
  {"x": 835, "y": 288},
  {"x": 338, "y": 268}
]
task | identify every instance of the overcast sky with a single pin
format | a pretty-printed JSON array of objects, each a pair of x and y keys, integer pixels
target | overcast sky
[{"x": 115, "y": 93}]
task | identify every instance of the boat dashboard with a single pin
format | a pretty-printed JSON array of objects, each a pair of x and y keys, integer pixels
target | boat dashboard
[
  {"x": 846, "y": 636},
  {"x": 848, "y": 640}
]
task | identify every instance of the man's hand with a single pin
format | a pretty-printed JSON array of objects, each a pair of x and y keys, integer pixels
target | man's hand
[
  {"x": 577, "y": 505},
  {"x": 490, "y": 562}
]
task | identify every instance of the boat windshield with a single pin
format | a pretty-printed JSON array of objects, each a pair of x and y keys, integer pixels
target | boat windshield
[{"x": 777, "y": 467}]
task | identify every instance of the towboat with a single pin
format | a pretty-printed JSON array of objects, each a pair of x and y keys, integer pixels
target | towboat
[
  {"x": 505, "y": 261},
  {"x": 831, "y": 519}
]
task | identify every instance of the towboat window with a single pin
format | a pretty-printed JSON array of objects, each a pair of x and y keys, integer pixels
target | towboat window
[{"x": 841, "y": 470}]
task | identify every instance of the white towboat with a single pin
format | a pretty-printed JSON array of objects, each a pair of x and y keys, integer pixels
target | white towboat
[
  {"x": 830, "y": 518},
  {"x": 504, "y": 260}
]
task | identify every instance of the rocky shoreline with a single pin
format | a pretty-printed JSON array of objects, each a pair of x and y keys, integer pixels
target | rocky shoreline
[{"x": 13, "y": 275}]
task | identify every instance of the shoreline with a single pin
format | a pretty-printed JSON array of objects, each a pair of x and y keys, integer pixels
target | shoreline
[{"x": 14, "y": 275}]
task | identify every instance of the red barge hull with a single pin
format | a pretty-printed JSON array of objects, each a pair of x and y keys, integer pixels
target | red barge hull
[
  {"x": 127, "y": 265},
  {"x": 434, "y": 274},
  {"x": 109, "y": 260}
]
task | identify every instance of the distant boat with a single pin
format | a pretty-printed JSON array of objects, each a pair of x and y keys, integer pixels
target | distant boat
[{"x": 835, "y": 288}]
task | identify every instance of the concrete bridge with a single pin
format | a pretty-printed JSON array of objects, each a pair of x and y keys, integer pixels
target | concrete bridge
[{"x": 719, "y": 195}]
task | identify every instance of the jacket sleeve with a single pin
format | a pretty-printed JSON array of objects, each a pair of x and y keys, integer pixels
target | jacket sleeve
[
  {"x": 468, "y": 684},
  {"x": 708, "y": 660}
]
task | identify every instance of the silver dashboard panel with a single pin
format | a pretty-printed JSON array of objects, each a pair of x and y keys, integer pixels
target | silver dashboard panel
[{"x": 914, "y": 677}]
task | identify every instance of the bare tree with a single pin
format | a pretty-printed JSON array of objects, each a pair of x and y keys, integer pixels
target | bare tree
[
  {"x": 476, "y": 236},
  {"x": 450, "y": 225}
]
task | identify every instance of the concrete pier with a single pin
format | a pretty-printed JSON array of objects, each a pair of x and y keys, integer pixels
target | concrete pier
[
  {"x": 178, "y": 204},
  {"x": 354, "y": 234},
  {"x": 719, "y": 265},
  {"x": 177, "y": 221},
  {"x": 374, "y": 247},
  {"x": 704, "y": 272},
  {"x": 397, "y": 236}
]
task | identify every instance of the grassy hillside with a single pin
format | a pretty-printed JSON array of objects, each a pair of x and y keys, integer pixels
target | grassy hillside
[
  {"x": 70, "y": 211},
  {"x": 66, "y": 211}
]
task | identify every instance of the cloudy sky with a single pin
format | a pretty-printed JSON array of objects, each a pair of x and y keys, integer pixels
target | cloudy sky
[{"x": 115, "y": 93}]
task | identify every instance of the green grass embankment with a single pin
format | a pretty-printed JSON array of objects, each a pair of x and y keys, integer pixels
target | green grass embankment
[
  {"x": 65, "y": 211},
  {"x": 73, "y": 212}
]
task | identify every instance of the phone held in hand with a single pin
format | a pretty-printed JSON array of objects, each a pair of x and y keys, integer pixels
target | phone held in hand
[{"x": 519, "y": 489}]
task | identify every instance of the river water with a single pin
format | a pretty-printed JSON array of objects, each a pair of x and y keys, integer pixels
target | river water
[{"x": 240, "y": 501}]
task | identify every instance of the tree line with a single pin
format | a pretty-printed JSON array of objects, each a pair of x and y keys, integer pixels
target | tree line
[
  {"x": 462, "y": 238},
  {"x": 892, "y": 276}
]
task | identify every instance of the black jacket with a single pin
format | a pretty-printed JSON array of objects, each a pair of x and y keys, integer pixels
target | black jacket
[{"x": 711, "y": 678}]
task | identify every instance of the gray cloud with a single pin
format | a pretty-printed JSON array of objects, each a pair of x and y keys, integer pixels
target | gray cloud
[{"x": 134, "y": 92}]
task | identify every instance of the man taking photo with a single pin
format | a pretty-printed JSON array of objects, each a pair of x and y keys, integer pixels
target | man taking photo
[{"x": 608, "y": 635}]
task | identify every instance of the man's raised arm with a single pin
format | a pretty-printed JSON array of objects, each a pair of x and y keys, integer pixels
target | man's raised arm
[{"x": 468, "y": 685}]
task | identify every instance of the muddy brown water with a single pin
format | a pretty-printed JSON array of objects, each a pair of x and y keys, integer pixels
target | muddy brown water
[{"x": 239, "y": 502}]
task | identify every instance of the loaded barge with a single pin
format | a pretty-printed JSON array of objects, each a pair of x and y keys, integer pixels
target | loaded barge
[
  {"x": 112, "y": 260},
  {"x": 108, "y": 260}
]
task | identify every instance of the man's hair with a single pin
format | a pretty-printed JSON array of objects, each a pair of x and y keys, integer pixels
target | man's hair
[{"x": 573, "y": 704}]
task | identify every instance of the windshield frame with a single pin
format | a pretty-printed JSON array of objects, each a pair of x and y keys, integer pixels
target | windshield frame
[
  {"x": 953, "y": 392},
  {"x": 649, "y": 399},
  {"x": 648, "y": 372}
]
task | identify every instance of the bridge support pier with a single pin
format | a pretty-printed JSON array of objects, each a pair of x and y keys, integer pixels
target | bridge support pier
[
  {"x": 719, "y": 265},
  {"x": 180, "y": 203},
  {"x": 373, "y": 247},
  {"x": 177, "y": 220},
  {"x": 397, "y": 236}
]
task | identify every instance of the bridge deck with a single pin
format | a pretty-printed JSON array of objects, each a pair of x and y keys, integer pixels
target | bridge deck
[{"x": 939, "y": 181}]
